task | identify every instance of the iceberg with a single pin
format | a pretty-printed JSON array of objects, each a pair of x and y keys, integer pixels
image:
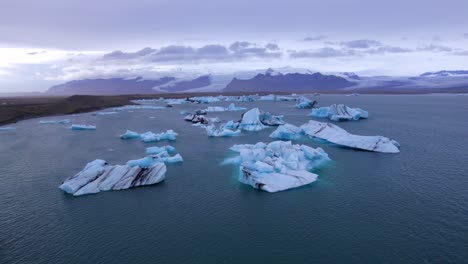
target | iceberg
[
  {"x": 246, "y": 98},
  {"x": 204, "y": 99},
  {"x": 149, "y": 161},
  {"x": 138, "y": 107},
  {"x": 212, "y": 131},
  {"x": 105, "y": 113},
  {"x": 231, "y": 107},
  {"x": 149, "y": 136},
  {"x": 270, "y": 97},
  {"x": 82, "y": 127},
  {"x": 287, "y": 132},
  {"x": 271, "y": 120},
  {"x": 175, "y": 101},
  {"x": 8, "y": 128},
  {"x": 339, "y": 136},
  {"x": 99, "y": 176},
  {"x": 251, "y": 121},
  {"x": 231, "y": 125},
  {"x": 278, "y": 165},
  {"x": 157, "y": 150},
  {"x": 339, "y": 112},
  {"x": 63, "y": 121},
  {"x": 196, "y": 118},
  {"x": 304, "y": 103}
]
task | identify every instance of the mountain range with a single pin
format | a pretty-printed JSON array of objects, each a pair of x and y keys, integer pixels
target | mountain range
[{"x": 270, "y": 81}]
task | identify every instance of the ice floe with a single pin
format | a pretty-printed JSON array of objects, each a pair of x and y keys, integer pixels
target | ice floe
[
  {"x": 271, "y": 120},
  {"x": 339, "y": 136},
  {"x": 251, "y": 121},
  {"x": 63, "y": 121},
  {"x": 339, "y": 112},
  {"x": 82, "y": 127},
  {"x": 305, "y": 103},
  {"x": 231, "y": 107},
  {"x": 278, "y": 165},
  {"x": 149, "y": 136}
]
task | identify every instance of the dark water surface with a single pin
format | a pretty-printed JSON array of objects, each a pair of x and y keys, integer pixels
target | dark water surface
[{"x": 366, "y": 207}]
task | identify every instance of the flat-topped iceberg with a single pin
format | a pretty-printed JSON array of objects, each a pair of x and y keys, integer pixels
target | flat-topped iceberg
[
  {"x": 213, "y": 131},
  {"x": 149, "y": 161},
  {"x": 99, "y": 176},
  {"x": 82, "y": 127},
  {"x": 251, "y": 121},
  {"x": 339, "y": 112},
  {"x": 149, "y": 136},
  {"x": 305, "y": 103},
  {"x": 231, "y": 107},
  {"x": 278, "y": 165},
  {"x": 270, "y": 97},
  {"x": 63, "y": 121},
  {"x": 339, "y": 136},
  {"x": 287, "y": 132},
  {"x": 157, "y": 150}
]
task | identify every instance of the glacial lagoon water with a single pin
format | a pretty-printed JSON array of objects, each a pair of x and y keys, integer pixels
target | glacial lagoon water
[{"x": 366, "y": 207}]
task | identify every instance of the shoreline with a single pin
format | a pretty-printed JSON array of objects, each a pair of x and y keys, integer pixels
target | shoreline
[{"x": 15, "y": 109}]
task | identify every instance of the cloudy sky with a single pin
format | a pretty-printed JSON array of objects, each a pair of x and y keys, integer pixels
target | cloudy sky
[{"x": 52, "y": 41}]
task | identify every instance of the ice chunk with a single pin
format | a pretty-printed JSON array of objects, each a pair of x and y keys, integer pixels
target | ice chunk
[
  {"x": 339, "y": 136},
  {"x": 99, "y": 176},
  {"x": 149, "y": 136},
  {"x": 233, "y": 107},
  {"x": 231, "y": 125},
  {"x": 105, "y": 113},
  {"x": 63, "y": 121},
  {"x": 304, "y": 103},
  {"x": 270, "y": 97},
  {"x": 215, "y": 109},
  {"x": 138, "y": 107},
  {"x": 175, "y": 101},
  {"x": 246, "y": 98},
  {"x": 204, "y": 99},
  {"x": 251, "y": 121},
  {"x": 271, "y": 120},
  {"x": 7, "y": 128},
  {"x": 196, "y": 118},
  {"x": 82, "y": 127},
  {"x": 287, "y": 132},
  {"x": 157, "y": 150},
  {"x": 339, "y": 112},
  {"x": 130, "y": 135},
  {"x": 152, "y": 137},
  {"x": 277, "y": 166},
  {"x": 212, "y": 131}
]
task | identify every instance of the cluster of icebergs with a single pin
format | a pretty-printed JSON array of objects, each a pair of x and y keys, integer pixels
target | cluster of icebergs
[
  {"x": 149, "y": 136},
  {"x": 336, "y": 135},
  {"x": 278, "y": 165},
  {"x": 339, "y": 112},
  {"x": 99, "y": 176}
]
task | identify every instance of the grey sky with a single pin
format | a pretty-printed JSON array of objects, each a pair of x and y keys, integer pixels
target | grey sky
[{"x": 53, "y": 41}]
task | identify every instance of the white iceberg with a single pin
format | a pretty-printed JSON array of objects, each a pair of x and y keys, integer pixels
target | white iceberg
[
  {"x": 149, "y": 136},
  {"x": 204, "y": 99},
  {"x": 231, "y": 107},
  {"x": 231, "y": 125},
  {"x": 194, "y": 118},
  {"x": 7, "y": 128},
  {"x": 63, "y": 121},
  {"x": 339, "y": 112},
  {"x": 277, "y": 166},
  {"x": 175, "y": 101},
  {"x": 213, "y": 131},
  {"x": 287, "y": 132},
  {"x": 304, "y": 103},
  {"x": 99, "y": 176},
  {"x": 270, "y": 97},
  {"x": 251, "y": 121},
  {"x": 157, "y": 150},
  {"x": 271, "y": 120},
  {"x": 82, "y": 127},
  {"x": 339, "y": 136},
  {"x": 149, "y": 161}
]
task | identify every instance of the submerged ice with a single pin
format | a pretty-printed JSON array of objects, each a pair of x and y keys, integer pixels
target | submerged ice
[{"x": 278, "y": 165}]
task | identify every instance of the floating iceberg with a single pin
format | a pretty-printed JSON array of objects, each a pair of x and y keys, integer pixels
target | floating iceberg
[
  {"x": 63, "y": 121},
  {"x": 138, "y": 107},
  {"x": 204, "y": 99},
  {"x": 231, "y": 125},
  {"x": 277, "y": 166},
  {"x": 339, "y": 112},
  {"x": 149, "y": 136},
  {"x": 231, "y": 107},
  {"x": 246, "y": 98},
  {"x": 157, "y": 150},
  {"x": 149, "y": 161},
  {"x": 105, "y": 113},
  {"x": 270, "y": 97},
  {"x": 285, "y": 98},
  {"x": 99, "y": 176},
  {"x": 339, "y": 136},
  {"x": 8, "y": 128},
  {"x": 82, "y": 127},
  {"x": 287, "y": 132},
  {"x": 271, "y": 120},
  {"x": 304, "y": 103},
  {"x": 175, "y": 101},
  {"x": 196, "y": 118},
  {"x": 213, "y": 131},
  {"x": 251, "y": 121}
]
